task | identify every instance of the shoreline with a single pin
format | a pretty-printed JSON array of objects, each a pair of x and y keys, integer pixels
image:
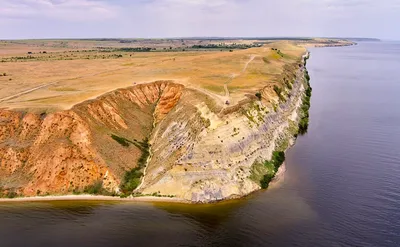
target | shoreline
[
  {"x": 92, "y": 198},
  {"x": 275, "y": 183},
  {"x": 279, "y": 178}
]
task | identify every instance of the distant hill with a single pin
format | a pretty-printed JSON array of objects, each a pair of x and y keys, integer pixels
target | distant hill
[{"x": 362, "y": 39}]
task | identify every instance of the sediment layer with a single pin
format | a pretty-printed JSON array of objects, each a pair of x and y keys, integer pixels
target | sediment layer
[{"x": 200, "y": 150}]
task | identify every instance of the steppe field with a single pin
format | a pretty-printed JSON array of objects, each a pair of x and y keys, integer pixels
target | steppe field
[{"x": 57, "y": 74}]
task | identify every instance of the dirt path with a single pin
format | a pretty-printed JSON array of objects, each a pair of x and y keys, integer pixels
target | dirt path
[
  {"x": 248, "y": 62},
  {"x": 26, "y": 91},
  {"x": 233, "y": 76},
  {"x": 52, "y": 83}
]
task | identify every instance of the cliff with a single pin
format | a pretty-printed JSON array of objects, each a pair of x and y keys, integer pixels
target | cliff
[
  {"x": 198, "y": 150},
  {"x": 67, "y": 151}
]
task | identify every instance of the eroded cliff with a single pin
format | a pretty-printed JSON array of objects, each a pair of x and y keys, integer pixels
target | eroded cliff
[
  {"x": 68, "y": 151},
  {"x": 200, "y": 151}
]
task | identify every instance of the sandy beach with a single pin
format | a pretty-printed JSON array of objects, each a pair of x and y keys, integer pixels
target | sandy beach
[{"x": 92, "y": 198}]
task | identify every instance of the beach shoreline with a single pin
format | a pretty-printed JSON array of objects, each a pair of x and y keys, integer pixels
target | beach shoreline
[{"x": 92, "y": 198}]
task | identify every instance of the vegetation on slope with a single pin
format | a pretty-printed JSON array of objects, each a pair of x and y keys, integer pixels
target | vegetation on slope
[
  {"x": 96, "y": 189},
  {"x": 278, "y": 92},
  {"x": 133, "y": 177},
  {"x": 7, "y": 193},
  {"x": 264, "y": 172},
  {"x": 304, "y": 110}
]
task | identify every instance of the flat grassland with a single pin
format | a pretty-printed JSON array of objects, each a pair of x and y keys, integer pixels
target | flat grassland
[{"x": 57, "y": 74}]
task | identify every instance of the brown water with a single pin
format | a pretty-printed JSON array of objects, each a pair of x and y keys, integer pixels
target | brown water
[{"x": 341, "y": 188}]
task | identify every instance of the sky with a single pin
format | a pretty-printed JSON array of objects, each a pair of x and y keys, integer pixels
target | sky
[{"x": 35, "y": 19}]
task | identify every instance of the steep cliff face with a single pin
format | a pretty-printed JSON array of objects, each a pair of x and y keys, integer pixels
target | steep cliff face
[
  {"x": 48, "y": 154},
  {"x": 67, "y": 151},
  {"x": 200, "y": 151}
]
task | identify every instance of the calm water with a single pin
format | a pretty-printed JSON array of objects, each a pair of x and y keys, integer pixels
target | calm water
[{"x": 342, "y": 186}]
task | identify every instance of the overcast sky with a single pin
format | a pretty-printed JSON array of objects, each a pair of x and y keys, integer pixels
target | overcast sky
[{"x": 188, "y": 18}]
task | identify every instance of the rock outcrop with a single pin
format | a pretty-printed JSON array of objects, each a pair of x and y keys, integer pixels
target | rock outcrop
[
  {"x": 200, "y": 151},
  {"x": 63, "y": 152}
]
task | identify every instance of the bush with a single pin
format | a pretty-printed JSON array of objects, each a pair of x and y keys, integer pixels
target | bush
[
  {"x": 11, "y": 194},
  {"x": 124, "y": 142},
  {"x": 278, "y": 91},
  {"x": 308, "y": 92},
  {"x": 303, "y": 123},
  {"x": 258, "y": 95},
  {"x": 307, "y": 76},
  {"x": 303, "y": 126},
  {"x": 288, "y": 85},
  {"x": 266, "y": 180},
  {"x": 95, "y": 189},
  {"x": 133, "y": 177},
  {"x": 131, "y": 180},
  {"x": 278, "y": 157}
]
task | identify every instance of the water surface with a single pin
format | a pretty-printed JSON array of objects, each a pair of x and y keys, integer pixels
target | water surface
[{"x": 342, "y": 186}]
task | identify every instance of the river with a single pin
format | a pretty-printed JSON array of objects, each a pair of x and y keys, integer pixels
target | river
[{"x": 341, "y": 187}]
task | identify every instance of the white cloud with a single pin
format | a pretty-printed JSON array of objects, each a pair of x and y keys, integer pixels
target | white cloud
[
  {"x": 178, "y": 18},
  {"x": 70, "y": 10}
]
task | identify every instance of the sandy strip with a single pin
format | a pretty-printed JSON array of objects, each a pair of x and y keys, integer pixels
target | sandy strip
[
  {"x": 93, "y": 198},
  {"x": 279, "y": 177}
]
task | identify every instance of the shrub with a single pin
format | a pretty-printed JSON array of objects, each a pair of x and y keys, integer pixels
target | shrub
[
  {"x": 303, "y": 125},
  {"x": 124, "y": 142},
  {"x": 131, "y": 180},
  {"x": 266, "y": 180},
  {"x": 278, "y": 91},
  {"x": 95, "y": 189},
  {"x": 307, "y": 76},
  {"x": 11, "y": 194},
  {"x": 258, "y": 95},
  {"x": 288, "y": 85},
  {"x": 308, "y": 92},
  {"x": 278, "y": 157}
]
